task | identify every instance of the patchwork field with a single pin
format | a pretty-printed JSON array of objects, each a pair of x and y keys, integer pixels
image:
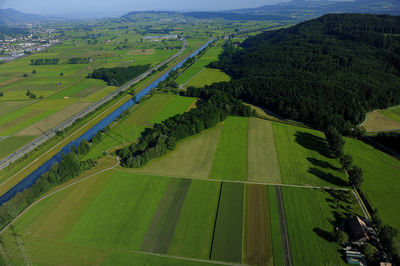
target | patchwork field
[
  {"x": 304, "y": 159},
  {"x": 382, "y": 120}
]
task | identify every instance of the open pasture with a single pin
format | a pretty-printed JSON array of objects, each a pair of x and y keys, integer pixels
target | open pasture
[
  {"x": 393, "y": 113},
  {"x": 311, "y": 217},
  {"x": 230, "y": 161},
  {"x": 382, "y": 121},
  {"x": 304, "y": 157},
  {"x": 207, "y": 76},
  {"x": 263, "y": 165},
  {"x": 11, "y": 144},
  {"x": 210, "y": 56},
  {"x": 381, "y": 179}
]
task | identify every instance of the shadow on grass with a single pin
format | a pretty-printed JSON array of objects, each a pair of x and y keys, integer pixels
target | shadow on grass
[
  {"x": 328, "y": 177},
  {"x": 323, "y": 234},
  {"x": 322, "y": 164},
  {"x": 312, "y": 142}
]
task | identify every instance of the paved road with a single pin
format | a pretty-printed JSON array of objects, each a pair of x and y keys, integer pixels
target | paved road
[
  {"x": 287, "y": 256},
  {"x": 49, "y": 134}
]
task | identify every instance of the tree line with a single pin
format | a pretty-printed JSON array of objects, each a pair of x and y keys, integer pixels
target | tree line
[
  {"x": 118, "y": 76},
  {"x": 328, "y": 71},
  {"x": 45, "y": 61},
  {"x": 79, "y": 60},
  {"x": 386, "y": 233},
  {"x": 213, "y": 108}
]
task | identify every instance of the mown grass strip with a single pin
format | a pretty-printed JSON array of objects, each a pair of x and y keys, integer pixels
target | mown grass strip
[
  {"x": 230, "y": 161},
  {"x": 194, "y": 232},
  {"x": 275, "y": 227},
  {"x": 162, "y": 227},
  {"x": 227, "y": 243},
  {"x": 263, "y": 165}
]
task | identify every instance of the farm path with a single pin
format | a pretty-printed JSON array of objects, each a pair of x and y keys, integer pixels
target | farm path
[
  {"x": 58, "y": 190},
  {"x": 284, "y": 232},
  {"x": 126, "y": 170}
]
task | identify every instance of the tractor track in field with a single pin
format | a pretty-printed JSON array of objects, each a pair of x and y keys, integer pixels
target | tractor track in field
[{"x": 284, "y": 232}]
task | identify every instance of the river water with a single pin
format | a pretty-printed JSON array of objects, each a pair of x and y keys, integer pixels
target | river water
[{"x": 30, "y": 180}]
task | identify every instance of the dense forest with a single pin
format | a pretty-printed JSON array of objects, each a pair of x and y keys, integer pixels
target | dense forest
[
  {"x": 45, "y": 61},
  {"x": 117, "y": 76},
  {"x": 154, "y": 142},
  {"x": 326, "y": 71}
]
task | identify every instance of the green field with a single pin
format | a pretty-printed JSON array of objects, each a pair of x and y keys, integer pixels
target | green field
[
  {"x": 263, "y": 165},
  {"x": 210, "y": 56},
  {"x": 227, "y": 242},
  {"x": 230, "y": 161},
  {"x": 310, "y": 216},
  {"x": 207, "y": 76},
  {"x": 381, "y": 179},
  {"x": 276, "y": 238},
  {"x": 192, "y": 157},
  {"x": 11, "y": 144},
  {"x": 393, "y": 113},
  {"x": 143, "y": 115},
  {"x": 303, "y": 157},
  {"x": 193, "y": 234}
]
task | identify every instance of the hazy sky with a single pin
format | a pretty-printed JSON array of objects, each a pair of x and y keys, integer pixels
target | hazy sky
[{"x": 63, "y": 6}]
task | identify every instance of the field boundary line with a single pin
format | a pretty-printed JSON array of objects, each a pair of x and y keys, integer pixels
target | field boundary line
[
  {"x": 121, "y": 169},
  {"x": 179, "y": 257},
  {"x": 198, "y": 73},
  {"x": 215, "y": 221},
  {"x": 56, "y": 191}
]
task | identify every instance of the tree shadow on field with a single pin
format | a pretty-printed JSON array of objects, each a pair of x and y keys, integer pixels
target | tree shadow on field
[
  {"x": 322, "y": 164},
  {"x": 328, "y": 177},
  {"x": 323, "y": 234},
  {"x": 312, "y": 142}
]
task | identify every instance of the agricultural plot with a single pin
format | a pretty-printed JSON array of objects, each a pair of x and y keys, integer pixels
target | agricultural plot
[
  {"x": 381, "y": 179},
  {"x": 207, "y": 76},
  {"x": 310, "y": 217},
  {"x": 263, "y": 165},
  {"x": 9, "y": 106},
  {"x": 194, "y": 231},
  {"x": 257, "y": 244},
  {"x": 227, "y": 240},
  {"x": 377, "y": 121},
  {"x": 304, "y": 157},
  {"x": 230, "y": 161},
  {"x": 276, "y": 239},
  {"x": 210, "y": 56},
  {"x": 192, "y": 157},
  {"x": 11, "y": 144},
  {"x": 159, "y": 106},
  {"x": 393, "y": 113}
]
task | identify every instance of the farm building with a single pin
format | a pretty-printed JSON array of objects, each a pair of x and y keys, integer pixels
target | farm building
[
  {"x": 355, "y": 258},
  {"x": 357, "y": 229}
]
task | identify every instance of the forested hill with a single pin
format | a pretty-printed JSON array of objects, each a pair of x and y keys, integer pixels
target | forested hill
[{"x": 323, "y": 71}]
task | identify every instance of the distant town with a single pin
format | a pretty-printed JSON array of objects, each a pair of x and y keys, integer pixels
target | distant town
[{"x": 34, "y": 39}]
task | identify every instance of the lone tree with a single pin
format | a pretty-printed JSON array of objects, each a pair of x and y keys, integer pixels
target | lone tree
[
  {"x": 341, "y": 237},
  {"x": 355, "y": 176},
  {"x": 346, "y": 161},
  {"x": 335, "y": 141}
]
